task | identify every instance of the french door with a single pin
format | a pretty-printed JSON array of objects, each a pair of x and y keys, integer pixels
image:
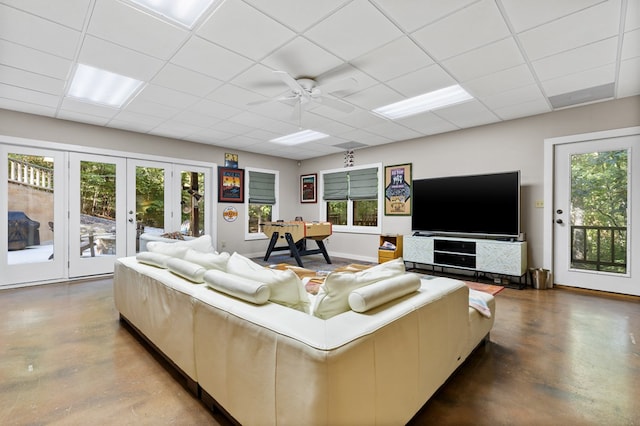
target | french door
[
  {"x": 596, "y": 216},
  {"x": 32, "y": 210}
]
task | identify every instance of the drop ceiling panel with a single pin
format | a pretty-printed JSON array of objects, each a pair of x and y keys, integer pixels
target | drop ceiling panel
[
  {"x": 135, "y": 29},
  {"x": 469, "y": 28},
  {"x": 38, "y": 33},
  {"x": 514, "y": 97},
  {"x": 70, "y": 13},
  {"x": 184, "y": 80},
  {"x": 27, "y": 95},
  {"x": 422, "y": 81},
  {"x": 29, "y": 108},
  {"x": 228, "y": 28},
  {"x": 26, "y": 79},
  {"x": 354, "y": 30},
  {"x": 587, "y": 26},
  {"x": 631, "y": 45},
  {"x": 414, "y": 14},
  {"x": 428, "y": 123},
  {"x": 467, "y": 114},
  {"x": 299, "y": 14},
  {"x": 302, "y": 58},
  {"x": 523, "y": 110},
  {"x": 527, "y": 14},
  {"x": 485, "y": 60},
  {"x": 115, "y": 58},
  {"x": 170, "y": 97},
  {"x": 582, "y": 80},
  {"x": 207, "y": 58},
  {"x": 374, "y": 97},
  {"x": 629, "y": 83},
  {"x": 214, "y": 109},
  {"x": 500, "y": 81},
  {"x": 25, "y": 58}
]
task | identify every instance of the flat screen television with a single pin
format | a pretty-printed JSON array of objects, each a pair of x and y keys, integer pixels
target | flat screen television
[{"x": 485, "y": 205}]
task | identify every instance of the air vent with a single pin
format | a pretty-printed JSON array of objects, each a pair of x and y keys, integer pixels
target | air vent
[
  {"x": 350, "y": 145},
  {"x": 583, "y": 96}
]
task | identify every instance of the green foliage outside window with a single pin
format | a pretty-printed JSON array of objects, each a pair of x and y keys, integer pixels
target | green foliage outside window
[{"x": 259, "y": 214}]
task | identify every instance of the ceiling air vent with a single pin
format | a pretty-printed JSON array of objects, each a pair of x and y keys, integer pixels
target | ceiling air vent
[
  {"x": 350, "y": 145},
  {"x": 591, "y": 94}
]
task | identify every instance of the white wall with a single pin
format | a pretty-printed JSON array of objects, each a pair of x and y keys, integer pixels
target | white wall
[{"x": 512, "y": 145}]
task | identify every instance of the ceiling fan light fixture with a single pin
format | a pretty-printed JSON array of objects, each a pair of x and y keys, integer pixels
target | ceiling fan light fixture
[
  {"x": 102, "y": 87},
  {"x": 185, "y": 12},
  {"x": 300, "y": 137},
  {"x": 426, "y": 102}
]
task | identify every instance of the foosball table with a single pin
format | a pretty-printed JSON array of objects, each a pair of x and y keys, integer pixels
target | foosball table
[{"x": 296, "y": 234}]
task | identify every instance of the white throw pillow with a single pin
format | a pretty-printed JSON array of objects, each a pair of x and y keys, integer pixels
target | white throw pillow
[
  {"x": 169, "y": 249},
  {"x": 208, "y": 260},
  {"x": 154, "y": 259},
  {"x": 333, "y": 296},
  {"x": 202, "y": 244},
  {"x": 240, "y": 287},
  {"x": 285, "y": 286},
  {"x": 190, "y": 271},
  {"x": 383, "y": 291}
]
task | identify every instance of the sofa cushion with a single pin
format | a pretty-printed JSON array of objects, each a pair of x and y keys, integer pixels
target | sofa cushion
[
  {"x": 333, "y": 297},
  {"x": 202, "y": 244},
  {"x": 383, "y": 291},
  {"x": 285, "y": 286},
  {"x": 154, "y": 259},
  {"x": 188, "y": 270},
  {"x": 168, "y": 249},
  {"x": 239, "y": 287},
  {"x": 208, "y": 260}
]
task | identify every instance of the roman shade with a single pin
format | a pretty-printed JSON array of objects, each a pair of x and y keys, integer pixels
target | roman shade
[
  {"x": 361, "y": 184},
  {"x": 262, "y": 189},
  {"x": 336, "y": 186}
]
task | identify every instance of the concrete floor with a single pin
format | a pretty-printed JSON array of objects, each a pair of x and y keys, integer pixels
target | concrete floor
[{"x": 556, "y": 357}]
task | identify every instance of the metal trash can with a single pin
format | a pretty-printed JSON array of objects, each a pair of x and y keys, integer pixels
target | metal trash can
[{"x": 540, "y": 278}]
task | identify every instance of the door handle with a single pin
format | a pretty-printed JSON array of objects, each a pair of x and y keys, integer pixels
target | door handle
[
  {"x": 130, "y": 220},
  {"x": 559, "y": 221}
]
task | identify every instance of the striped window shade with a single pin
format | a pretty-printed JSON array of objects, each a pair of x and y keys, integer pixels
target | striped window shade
[
  {"x": 336, "y": 186},
  {"x": 363, "y": 184},
  {"x": 262, "y": 188}
]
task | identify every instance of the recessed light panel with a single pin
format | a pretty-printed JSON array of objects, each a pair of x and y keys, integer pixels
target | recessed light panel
[
  {"x": 429, "y": 101},
  {"x": 300, "y": 137},
  {"x": 102, "y": 87},
  {"x": 186, "y": 12}
]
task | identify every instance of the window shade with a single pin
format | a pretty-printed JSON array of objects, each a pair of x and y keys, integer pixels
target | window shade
[
  {"x": 363, "y": 184},
  {"x": 262, "y": 188},
  {"x": 336, "y": 186}
]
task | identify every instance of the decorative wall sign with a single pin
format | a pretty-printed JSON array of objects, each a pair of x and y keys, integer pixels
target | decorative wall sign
[
  {"x": 230, "y": 214},
  {"x": 397, "y": 190},
  {"x": 308, "y": 188},
  {"x": 231, "y": 160},
  {"x": 230, "y": 185}
]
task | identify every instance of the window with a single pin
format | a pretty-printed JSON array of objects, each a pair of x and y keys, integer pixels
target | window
[
  {"x": 352, "y": 198},
  {"x": 261, "y": 206}
]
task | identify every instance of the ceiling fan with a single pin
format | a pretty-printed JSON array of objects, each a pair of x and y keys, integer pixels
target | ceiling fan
[{"x": 307, "y": 90}]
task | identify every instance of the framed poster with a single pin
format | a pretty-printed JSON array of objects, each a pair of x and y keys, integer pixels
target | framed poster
[
  {"x": 230, "y": 185},
  {"x": 397, "y": 190},
  {"x": 231, "y": 160},
  {"x": 308, "y": 188}
]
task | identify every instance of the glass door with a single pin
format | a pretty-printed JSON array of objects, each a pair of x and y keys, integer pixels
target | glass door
[
  {"x": 97, "y": 219},
  {"x": 148, "y": 200},
  {"x": 595, "y": 183},
  {"x": 32, "y": 215}
]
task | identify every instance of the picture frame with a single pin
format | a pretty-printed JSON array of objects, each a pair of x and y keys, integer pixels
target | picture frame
[
  {"x": 397, "y": 190},
  {"x": 231, "y": 160},
  {"x": 309, "y": 188},
  {"x": 230, "y": 185}
]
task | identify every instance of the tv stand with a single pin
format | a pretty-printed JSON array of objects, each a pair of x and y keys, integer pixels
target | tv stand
[{"x": 472, "y": 254}]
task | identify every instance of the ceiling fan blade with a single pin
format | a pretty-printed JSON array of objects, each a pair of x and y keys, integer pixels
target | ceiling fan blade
[
  {"x": 336, "y": 104},
  {"x": 338, "y": 85},
  {"x": 296, "y": 114},
  {"x": 267, "y": 101},
  {"x": 290, "y": 81}
]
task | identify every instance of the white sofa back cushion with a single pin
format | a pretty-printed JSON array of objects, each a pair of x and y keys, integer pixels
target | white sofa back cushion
[
  {"x": 154, "y": 259},
  {"x": 381, "y": 292},
  {"x": 333, "y": 296},
  {"x": 285, "y": 286},
  {"x": 178, "y": 248},
  {"x": 239, "y": 287},
  {"x": 208, "y": 260}
]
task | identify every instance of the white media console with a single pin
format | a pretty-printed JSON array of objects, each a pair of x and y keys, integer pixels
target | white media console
[{"x": 479, "y": 255}]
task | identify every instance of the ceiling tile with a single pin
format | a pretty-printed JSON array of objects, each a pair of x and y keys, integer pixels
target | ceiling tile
[
  {"x": 526, "y": 14},
  {"x": 228, "y": 28},
  {"x": 301, "y": 58},
  {"x": 422, "y": 81},
  {"x": 29, "y": 80},
  {"x": 135, "y": 29},
  {"x": 393, "y": 59},
  {"x": 38, "y": 33},
  {"x": 214, "y": 109},
  {"x": 148, "y": 121},
  {"x": 500, "y": 81},
  {"x": 428, "y": 124},
  {"x": 524, "y": 109},
  {"x": 209, "y": 59},
  {"x": 234, "y": 96},
  {"x": 262, "y": 80},
  {"x": 362, "y": 136},
  {"x": 185, "y": 80},
  {"x": 414, "y": 14},
  {"x": 354, "y": 30},
  {"x": 631, "y": 44},
  {"x": 583, "y": 58},
  {"x": 514, "y": 97},
  {"x": 112, "y": 57},
  {"x": 82, "y": 117},
  {"x": 581, "y": 28},
  {"x": 485, "y": 60},
  {"x": 632, "y": 18},
  {"x": 29, "y": 108},
  {"x": 299, "y": 14},
  {"x": 70, "y": 13},
  {"x": 393, "y": 130},
  {"x": 582, "y": 80},
  {"x": 151, "y": 108},
  {"x": 467, "y": 114},
  {"x": 162, "y": 95},
  {"x": 374, "y": 97},
  {"x": 28, "y": 96},
  {"x": 28, "y": 59},
  {"x": 472, "y": 27},
  {"x": 73, "y": 105},
  {"x": 629, "y": 83}
]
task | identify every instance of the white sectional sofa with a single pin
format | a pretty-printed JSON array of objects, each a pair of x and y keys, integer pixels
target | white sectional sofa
[{"x": 268, "y": 364}]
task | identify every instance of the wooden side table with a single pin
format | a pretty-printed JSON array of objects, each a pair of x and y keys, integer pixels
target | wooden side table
[{"x": 386, "y": 254}]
